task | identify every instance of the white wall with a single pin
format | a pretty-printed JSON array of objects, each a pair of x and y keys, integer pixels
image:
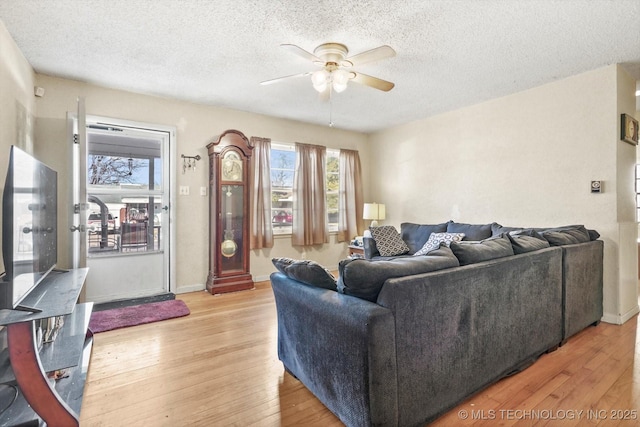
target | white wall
[
  {"x": 197, "y": 125},
  {"x": 17, "y": 105},
  {"x": 522, "y": 160}
]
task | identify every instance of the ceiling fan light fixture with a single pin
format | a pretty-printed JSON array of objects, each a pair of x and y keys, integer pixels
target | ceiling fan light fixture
[
  {"x": 320, "y": 79},
  {"x": 339, "y": 79}
]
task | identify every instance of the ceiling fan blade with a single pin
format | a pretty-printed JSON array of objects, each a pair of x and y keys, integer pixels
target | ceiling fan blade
[
  {"x": 376, "y": 54},
  {"x": 373, "y": 82},
  {"x": 297, "y": 50},
  {"x": 268, "y": 82}
]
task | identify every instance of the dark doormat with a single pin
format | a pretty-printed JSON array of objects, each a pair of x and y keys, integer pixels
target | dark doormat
[
  {"x": 116, "y": 318},
  {"x": 133, "y": 301}
]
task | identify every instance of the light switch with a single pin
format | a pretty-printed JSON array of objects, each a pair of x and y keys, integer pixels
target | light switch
[{"x": 203, "y": 191}]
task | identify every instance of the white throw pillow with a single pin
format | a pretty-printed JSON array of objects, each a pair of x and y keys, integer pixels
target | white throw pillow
[{"x": 435, "y": 239}]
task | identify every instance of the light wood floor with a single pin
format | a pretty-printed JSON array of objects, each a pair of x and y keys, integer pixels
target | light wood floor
[{"x": 219, "y": 367}]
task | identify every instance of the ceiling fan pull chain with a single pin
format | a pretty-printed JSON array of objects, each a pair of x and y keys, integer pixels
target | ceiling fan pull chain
[{"x": 330, "y": 106}]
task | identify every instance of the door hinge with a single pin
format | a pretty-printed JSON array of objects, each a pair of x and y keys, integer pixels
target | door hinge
[{"x": 76, "y": 138}]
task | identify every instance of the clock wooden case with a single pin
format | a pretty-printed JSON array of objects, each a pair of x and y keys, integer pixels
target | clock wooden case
[{"x": 229, "y": 157}]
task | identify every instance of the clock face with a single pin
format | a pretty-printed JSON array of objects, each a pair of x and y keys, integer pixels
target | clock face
[{"x": 231, "y": 167}]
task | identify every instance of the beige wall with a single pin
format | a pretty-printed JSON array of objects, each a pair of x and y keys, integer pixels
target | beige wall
[
  {"x": 523, "y": 160},
  {"x": 16, "y": 105},
  {"x": 196, "y": 126}
]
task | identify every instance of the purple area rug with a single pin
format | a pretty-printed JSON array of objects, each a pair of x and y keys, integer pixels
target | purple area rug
[{"x": 108, "y": 320}]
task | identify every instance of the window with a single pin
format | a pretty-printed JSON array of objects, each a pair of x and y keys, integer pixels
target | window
[
  {"x": 283, "y": 163},
  {"x": 333, "y": 188}
]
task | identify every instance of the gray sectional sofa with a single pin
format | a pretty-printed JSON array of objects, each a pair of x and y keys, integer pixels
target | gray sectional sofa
[{"x": 399, "y": 340}]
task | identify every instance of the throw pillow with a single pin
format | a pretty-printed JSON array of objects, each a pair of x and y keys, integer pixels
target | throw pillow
[
  {"x": 388, "y": 241},
  {"x": 593, "y": 234},
  {"x": 435, "y": 239},
  {"x": 364, "y": 278},
  {"x": 527, "y": 232},
  {"x": 523, "y": 243},
  {"x": 497, "y": 229},
  {"x": 282, "y": 263},
  {"x": 306, "y": 271},
  {"x": 416, "y": 235},
  {"x": 470, "y": 252},
  {"x": 567, "y": 235},
  {"x": 471, "y": 231}
]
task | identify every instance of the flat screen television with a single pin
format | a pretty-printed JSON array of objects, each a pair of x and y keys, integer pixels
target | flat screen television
[{"x": 29, "y": 227}]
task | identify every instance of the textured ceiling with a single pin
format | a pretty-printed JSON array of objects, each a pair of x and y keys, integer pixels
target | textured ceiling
[{"x": 450, "y": 54}]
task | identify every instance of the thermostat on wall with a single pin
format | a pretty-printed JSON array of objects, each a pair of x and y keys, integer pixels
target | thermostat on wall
[{"x": 596, "y": 186}]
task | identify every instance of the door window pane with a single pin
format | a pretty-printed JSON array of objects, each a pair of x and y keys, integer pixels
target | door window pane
[{"x": 124, "y": 187}]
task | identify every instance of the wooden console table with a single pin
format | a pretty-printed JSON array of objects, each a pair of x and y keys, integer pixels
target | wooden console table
[
  {"x": 25, "y": 367},
  {"x": 356, "y": 251}
]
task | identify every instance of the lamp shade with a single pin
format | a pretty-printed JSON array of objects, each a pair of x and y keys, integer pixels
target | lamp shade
[{"x": 374, "y": 212}]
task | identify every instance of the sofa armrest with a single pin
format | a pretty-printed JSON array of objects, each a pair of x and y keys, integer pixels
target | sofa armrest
[
  {"x": 582, "y": 274},
  {"x": 333, "y": 343},
  {"x": 370, "y": 248}
]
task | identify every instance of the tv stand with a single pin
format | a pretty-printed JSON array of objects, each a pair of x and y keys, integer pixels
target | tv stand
[
  {"x": 30, "y": 366},
  {"x": 25, "y": 308}
]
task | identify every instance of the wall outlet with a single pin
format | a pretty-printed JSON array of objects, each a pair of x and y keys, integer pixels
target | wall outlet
[
  {"x": 184, "y": 190},
  {"x": 203, "y": 191}
]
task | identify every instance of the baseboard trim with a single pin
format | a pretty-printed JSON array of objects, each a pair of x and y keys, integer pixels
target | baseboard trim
[
  {"x": 190, "y": 288},
  {"x": 262, "y": 278},
  {"x": 619, "y": 319}
]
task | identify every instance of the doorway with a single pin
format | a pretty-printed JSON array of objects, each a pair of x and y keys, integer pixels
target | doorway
[{"x": 128, "y": 236}]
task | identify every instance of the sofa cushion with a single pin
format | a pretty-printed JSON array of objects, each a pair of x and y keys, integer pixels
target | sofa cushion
[
  {"x": 282, "y": 263},
  {"x": 416, "y": 235},
  {"x": 364, "y": 278},
  {"x": 306, "y": 271},
  {"x": 497, "y": 229},
  {"x": 523, "y": 242},
  {"x": 435, "y": 239},
  {"x": 471, "y": 252},
  {"x": 471, "y": 231},
  {"x": 388, "y": 240},
  {"x": 567, "y": 235}
]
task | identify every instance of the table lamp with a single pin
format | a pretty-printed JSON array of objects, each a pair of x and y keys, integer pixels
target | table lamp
[{"x": 374, "y": 212}]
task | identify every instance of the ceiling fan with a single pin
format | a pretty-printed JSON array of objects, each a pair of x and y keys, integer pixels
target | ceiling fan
[{"x": 336, "y": 69}]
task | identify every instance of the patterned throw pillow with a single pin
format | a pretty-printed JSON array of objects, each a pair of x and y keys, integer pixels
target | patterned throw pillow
[
  {"x": 435, "y": 239},
  {"x": 388, "y": 241},
  {"x": 306, "y": 271}
]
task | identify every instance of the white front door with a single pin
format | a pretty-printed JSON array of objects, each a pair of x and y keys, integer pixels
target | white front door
[{"x": 128, "y": 198}]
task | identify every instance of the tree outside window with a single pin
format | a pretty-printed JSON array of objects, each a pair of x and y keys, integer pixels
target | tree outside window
[
  {"x": 283, "y": 163},
  {"x": 333, "y": 188}
]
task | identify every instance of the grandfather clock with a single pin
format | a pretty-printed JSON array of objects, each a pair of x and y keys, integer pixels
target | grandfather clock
[{"x": 229, "y": 157}]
